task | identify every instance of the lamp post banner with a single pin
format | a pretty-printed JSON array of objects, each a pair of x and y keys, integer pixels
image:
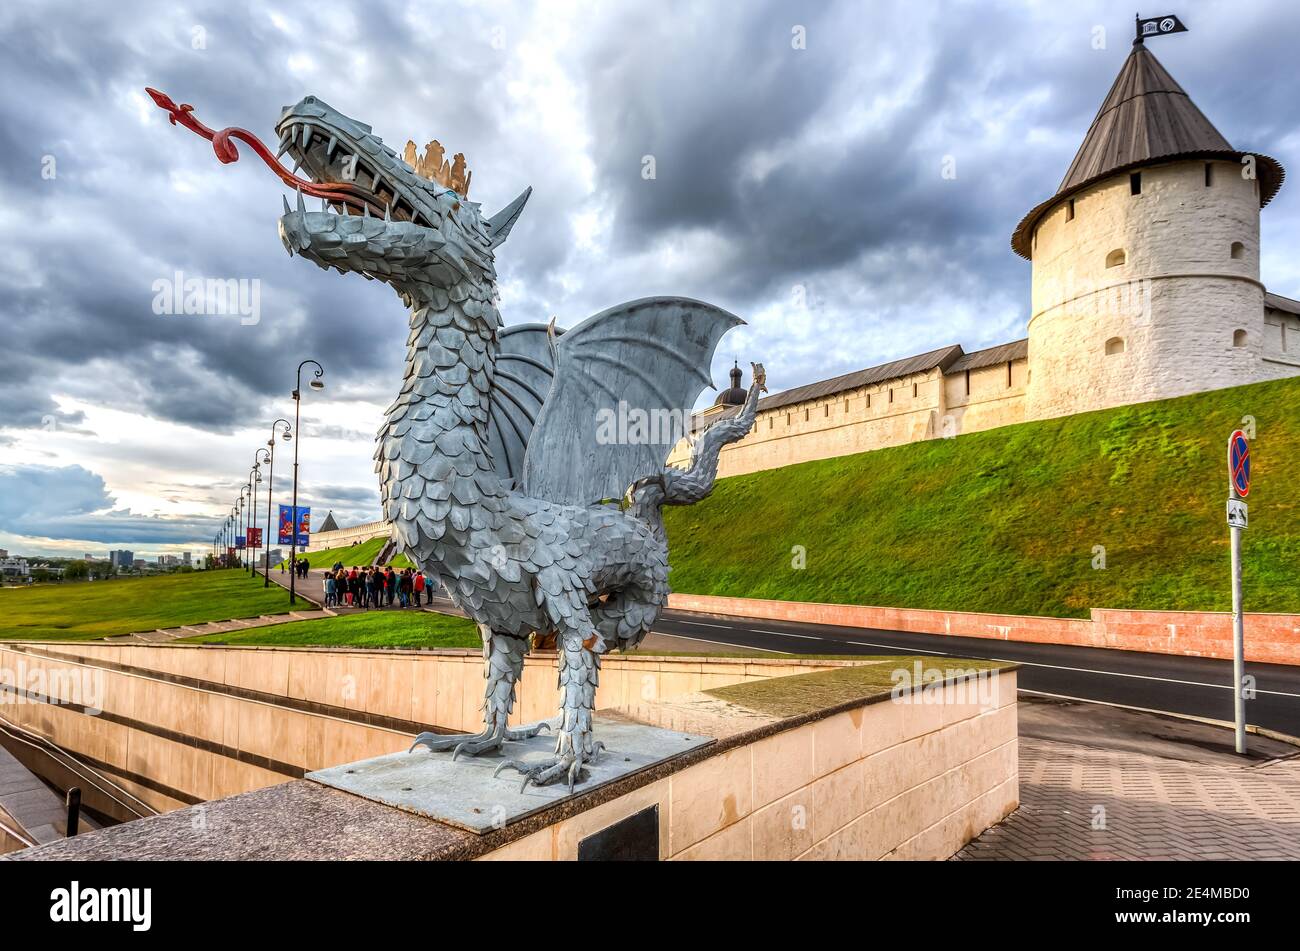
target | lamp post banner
[
  {"x": 287, "y": 522},
  {"x": 254, "y": 538}
]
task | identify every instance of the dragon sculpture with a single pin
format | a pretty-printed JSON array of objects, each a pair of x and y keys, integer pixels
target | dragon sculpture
[{"x": 496, "y": 470}]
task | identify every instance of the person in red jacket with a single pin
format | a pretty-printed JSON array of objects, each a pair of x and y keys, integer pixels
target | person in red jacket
[{"x": 419, "y": 587}]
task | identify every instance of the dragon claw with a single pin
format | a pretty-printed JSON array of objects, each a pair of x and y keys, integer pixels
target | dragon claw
[{"x": 567, "y": 766}]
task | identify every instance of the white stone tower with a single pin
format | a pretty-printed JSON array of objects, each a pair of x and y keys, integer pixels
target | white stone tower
[{"x": 1146, "y": 260}]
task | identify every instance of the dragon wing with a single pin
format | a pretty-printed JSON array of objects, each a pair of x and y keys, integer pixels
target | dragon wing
[
  {"x": 524, "y": 369},
  {"x": 619, "y": 377}
]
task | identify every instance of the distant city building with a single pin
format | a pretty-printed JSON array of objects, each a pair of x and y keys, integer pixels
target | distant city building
[
  {"x": 124, "y": 560},
  {"x": 4, "y": 552},
  {"x": 14, "y": 569},
  {"x": 185, "y": 558}
]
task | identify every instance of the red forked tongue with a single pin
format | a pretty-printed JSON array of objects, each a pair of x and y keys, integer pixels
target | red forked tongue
[{"x": 227, "y": 153}]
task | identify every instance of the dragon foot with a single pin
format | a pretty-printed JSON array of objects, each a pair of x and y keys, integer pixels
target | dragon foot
[
  {"x": 476, "y": 743},
  {"x": 565, "y": 765}
]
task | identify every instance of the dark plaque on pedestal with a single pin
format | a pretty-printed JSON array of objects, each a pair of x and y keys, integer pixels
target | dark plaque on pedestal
[{"x": 634, "y": 839}]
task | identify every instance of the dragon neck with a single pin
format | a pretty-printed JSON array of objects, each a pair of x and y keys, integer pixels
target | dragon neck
[{"x": 451, "y": 356}]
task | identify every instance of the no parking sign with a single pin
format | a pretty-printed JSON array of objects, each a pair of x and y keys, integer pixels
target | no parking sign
[{"x": 1239, "y": 464}]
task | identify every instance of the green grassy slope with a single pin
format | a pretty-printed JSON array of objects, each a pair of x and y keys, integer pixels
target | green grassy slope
[
  {"x": 386, "y": 628},
  {"x": 1006, "y": 520},
  {"x": 359, "y": 555},
  {"x": 86, "y": 610}
]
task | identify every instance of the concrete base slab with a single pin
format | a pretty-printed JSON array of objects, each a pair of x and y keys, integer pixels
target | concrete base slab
[{"x": 465, "y": 793}]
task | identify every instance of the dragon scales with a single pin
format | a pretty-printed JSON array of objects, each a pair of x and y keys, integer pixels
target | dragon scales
[{"x": 494, "y": 471}]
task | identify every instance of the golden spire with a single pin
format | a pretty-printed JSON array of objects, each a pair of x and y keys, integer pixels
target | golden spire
[{"x": 433, "y": 166}]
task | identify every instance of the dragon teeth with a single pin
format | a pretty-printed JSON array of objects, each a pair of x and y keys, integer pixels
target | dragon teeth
[
  {"x": 284, "y": 144},
  {"x": 286, "y": 204},
  {"x": 329, "y": 149},
  {"x": 306, "y": 135},
  {"x": 301, "y": 207}
]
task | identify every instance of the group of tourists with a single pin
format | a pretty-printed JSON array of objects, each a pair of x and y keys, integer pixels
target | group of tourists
[
  {"x": 299, "y": 567},
  {"x": 376, "y": 587}
]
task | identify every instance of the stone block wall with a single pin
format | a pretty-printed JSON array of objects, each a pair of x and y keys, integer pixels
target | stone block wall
[{"x": 894, "y": 779}]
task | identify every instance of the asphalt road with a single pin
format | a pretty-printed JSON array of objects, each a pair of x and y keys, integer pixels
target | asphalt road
[{"x": 1173, "y": 684}]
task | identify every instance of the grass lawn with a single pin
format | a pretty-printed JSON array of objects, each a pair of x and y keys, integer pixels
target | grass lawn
[
  {"x": 1010, "y": 520},
  {"x": 387, "y": 628},
  {"x": 90, "y": 609},
  {"x": 359, "y": 555}
]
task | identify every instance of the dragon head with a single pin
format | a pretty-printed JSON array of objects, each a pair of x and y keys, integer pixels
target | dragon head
[{"x": 387, "y": 220}]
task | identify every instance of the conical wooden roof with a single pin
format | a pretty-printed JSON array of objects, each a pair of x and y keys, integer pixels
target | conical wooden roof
[{"x": 1146, "y": 118}]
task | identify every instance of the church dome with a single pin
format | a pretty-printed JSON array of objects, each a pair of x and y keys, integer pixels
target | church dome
[{"x": 735, "y": 396}]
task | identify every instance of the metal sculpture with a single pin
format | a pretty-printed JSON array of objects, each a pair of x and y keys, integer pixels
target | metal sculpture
[{"x": 500, "y": 466}]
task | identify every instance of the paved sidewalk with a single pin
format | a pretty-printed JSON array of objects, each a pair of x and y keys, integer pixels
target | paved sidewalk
[{"x": 1160, "y": 789}]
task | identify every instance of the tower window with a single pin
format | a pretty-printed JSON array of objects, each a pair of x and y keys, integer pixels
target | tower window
[
  {"x": 1238, "y": 250},
  {"x": 1115, "y": 345},
  {"x": 1239, "y": 338},
  {"x": 1069, "y": 210},
  {"x": 915, "y": 390},
  {"x": 891, "y": 394},
  {"x": 1135, "y": 183},
  {"x": 1115, "y": 258},
  {"x": 1209, "y": 174},
  {"x": 805, "y": 414},
  {"x": 826, "y": 410},
  {"x": 1008, "y": 373},
  {"x": 846, "y": 407},
  {"x": 868, "y": 401},
  {"x": 968, "y": 382}
]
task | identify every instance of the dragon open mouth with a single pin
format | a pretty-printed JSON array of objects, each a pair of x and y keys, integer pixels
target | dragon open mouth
[{"x": 331, "y": 157}]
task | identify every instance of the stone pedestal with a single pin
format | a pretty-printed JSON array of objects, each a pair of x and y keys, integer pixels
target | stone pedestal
[{"x": 465, "y": 794}]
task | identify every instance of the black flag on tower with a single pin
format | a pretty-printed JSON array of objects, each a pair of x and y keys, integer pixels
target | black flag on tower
[{"x": 1158, "y": 26}]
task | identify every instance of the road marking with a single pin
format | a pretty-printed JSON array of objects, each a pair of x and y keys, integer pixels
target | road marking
[
  {"x": 806, "y": 637},
  {"x": 705, "y": 640},
  {"x": 1002, "y": 660}
]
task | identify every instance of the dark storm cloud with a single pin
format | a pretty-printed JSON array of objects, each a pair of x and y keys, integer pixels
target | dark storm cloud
[{"x": 72, "y": 503}]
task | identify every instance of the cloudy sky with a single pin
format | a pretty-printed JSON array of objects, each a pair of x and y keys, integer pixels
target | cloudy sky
[{"x": 782, "y": 174}]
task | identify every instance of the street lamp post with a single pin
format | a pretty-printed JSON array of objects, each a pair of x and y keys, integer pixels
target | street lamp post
[
  {"x": 245, "y": 494},
  {"x": 315, "y": 384},
  {"x": 270, "y": 491},
  {"x": 239, "y": 528},
  {"x": 254, "y": 477}
]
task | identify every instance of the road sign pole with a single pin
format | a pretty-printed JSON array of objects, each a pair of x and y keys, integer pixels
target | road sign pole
[
  {"x": 1238, "y": 644},
  {"x": 1238, "y": 489}
]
